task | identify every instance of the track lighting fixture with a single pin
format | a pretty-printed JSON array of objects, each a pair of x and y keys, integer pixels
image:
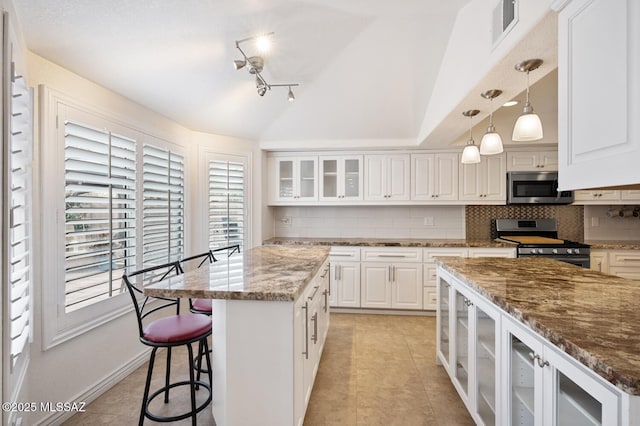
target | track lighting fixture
[
  {"x": 491, "y": 141},
  {"x": 470, "y": 154},
  {"x": 528, "y": 127},
  {"x": 256, "y": 65}
]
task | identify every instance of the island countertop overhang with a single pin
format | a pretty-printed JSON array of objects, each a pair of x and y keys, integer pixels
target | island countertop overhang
[
  {"x": 264, "y": 273},
  {"x": 590, "y": 316}
]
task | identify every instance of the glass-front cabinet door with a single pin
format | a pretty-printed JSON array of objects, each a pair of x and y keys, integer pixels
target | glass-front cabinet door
[
  {"x": 486, "y": 341},
  {"x": 341, "y": 178},
  {"x": 443, "y": 331},
  {"x": 461, "y": 345},
  {"x": 296, "y": 179}
]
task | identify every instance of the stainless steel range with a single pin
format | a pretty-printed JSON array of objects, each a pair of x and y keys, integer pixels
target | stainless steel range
[{"x": 539, "y": 238}]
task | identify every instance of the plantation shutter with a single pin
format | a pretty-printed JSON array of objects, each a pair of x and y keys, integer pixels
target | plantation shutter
[
  {"x": 226, "y": 203},
  {"x": 20, "y": 216},
  {"x": 100, "y": 168},
  {"x": 163, "y": 206}
]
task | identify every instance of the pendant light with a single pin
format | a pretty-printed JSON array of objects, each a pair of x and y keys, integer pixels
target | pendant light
[
  {"x": 470, "y": 154},
  {"x": 528, "y": 127},
  {"x": 491, "y": 141}
]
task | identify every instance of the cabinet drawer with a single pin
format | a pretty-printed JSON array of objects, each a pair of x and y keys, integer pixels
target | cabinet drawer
[
  {"x": 344, "y": 254},
  {"x": 625, "y": 272},
  {"x": 429, "y": 272},
  {"x": 430, "y": 298},
  {"x": 624, "y": 258},
  {"x": 493, "y": 252},
  {"x": 394, "y": 255},
  {"x": 430, "y": 253}
]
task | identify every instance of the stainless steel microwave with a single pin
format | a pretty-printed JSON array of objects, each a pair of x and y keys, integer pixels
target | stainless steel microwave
[{"x": 536, "y": 188}]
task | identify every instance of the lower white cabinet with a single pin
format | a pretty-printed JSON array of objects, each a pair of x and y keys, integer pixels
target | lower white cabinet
[
  {"x": 622, "y": 263},
  {"x": 345, "y": 277},
  {"x": 544, "y": 387},
  {"x": 506, "y": 374},
  {"x": 467, "y": 337},
  {"x": 312, "y": 316},
  {"x": 391, "y": 278}
]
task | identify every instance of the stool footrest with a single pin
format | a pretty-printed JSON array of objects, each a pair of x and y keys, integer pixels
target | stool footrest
[{"x": 177, "y": 417}]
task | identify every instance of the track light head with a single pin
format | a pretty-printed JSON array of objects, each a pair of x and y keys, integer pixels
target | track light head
[
  {"x": 262, "y": 90},
  {"x": 239, "y": 64},
  {"x": 290, "y": 96}
]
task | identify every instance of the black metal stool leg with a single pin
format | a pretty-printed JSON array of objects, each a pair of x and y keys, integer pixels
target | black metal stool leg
[
  {"x": 147, "y": 385},
  {"x": 193, "y": 390},
  {"x": 208, "y": 359},
  {"x": 166, "y": 392}
]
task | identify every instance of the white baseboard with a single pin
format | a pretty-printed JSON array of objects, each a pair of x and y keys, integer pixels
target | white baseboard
[
  {"x": 337, "y": 310},
  {"x": 93, "y": 392}
]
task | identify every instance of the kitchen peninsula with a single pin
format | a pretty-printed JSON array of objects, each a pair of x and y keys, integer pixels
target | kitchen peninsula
[
  {"x": 270, "y": 319},
  {"x": 539, "y": 340}
]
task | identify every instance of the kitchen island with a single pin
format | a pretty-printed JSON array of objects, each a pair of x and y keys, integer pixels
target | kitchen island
[
  {"x": 270, "y": 319},
  {"x": 540, "y": 341}
]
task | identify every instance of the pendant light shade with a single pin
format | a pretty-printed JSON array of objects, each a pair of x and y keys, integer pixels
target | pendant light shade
[
  {"x": 470, "y": 154},
  {"x": 491, "y": 143},
  {"x": 528, "y": 127}
]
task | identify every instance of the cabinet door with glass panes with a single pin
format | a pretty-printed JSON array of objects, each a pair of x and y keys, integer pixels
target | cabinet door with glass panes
[
  {"x": 295, "y": 179},
  {"x": 340, "y": 178},
  {"x": 543, "y": 388}
]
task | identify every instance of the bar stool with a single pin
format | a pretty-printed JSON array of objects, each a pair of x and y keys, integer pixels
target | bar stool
[
  {"x": 199, "y": 306},
  {"x": 169, "y": 332}
]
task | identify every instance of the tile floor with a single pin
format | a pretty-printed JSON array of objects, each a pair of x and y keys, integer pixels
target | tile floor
[{"x": 375, "y": 370}]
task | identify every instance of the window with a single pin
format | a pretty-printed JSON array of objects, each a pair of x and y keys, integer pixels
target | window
[
  {"x": 19, "y": 214},
  {"x": 163, "y": 206},
  {"x": 226, "y": 203},
  {"x": 115, "y": 201},
  {"x": 100, "y": 237}
]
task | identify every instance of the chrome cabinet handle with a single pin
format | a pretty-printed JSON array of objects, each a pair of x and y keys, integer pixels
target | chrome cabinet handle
[
  {"x": 325, "y": 272},
  {"x": 392, "y": 255},
  {"x": 314, "y": 318},
  {"x": 326, "y": 300},
  {"x": 394, "y": 273},
  {"x": 306, "y": 330},
  {"x": 315, "y": 290},
  {"x": 541, "y": 363},
  {"x": 340, "y": 254},
  {"x": 389, "y": 268}
]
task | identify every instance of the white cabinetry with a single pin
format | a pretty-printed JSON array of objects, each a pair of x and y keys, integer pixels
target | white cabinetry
[
  {"x": 345, "y": 277},
  {"x": 484, "y": 182},
  {"x": 434, "y": 177},
  {"x": 622, "y": 263},
  {"x": 545, "y": 387},
  {"x": 506, "y": 374},
  {"x": 293, "y": 179},
  {"x": 507, "y": 252},
  {"x": 600, "y": 261},
  {"x": 532, "y": 160},
  {"x": 598, "y": 93},
  {"x": 391, "y": 279},
  {"x": 387, "y": 177},
  {"x": 429, "y": 271},
  {"x": 606, "y": 196},
  {"x": 312, "y": 311},
  {"x": 467, "y": 345},
  {"x": 340, "y": 178}
]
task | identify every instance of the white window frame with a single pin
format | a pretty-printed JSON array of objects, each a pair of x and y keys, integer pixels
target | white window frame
[
  {"x": 203, "y": 189},
  {"x": 59, "y": 326}
]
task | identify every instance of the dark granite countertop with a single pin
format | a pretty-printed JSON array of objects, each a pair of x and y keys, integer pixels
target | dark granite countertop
[
  {"x": 613, "y": 244},
  {"x": 383, "y": 242},
  {"x": 591, "y": 316},
  {"x": 276, "y": 273}
]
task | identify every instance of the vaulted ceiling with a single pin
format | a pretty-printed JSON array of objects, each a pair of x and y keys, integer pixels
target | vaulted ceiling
[{"x": 366, "y": 68}]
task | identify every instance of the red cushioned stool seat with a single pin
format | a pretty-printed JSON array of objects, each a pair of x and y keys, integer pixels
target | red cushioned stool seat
[
  {"x": 177, "y": 328},
  {"x": 202, "y": 306}
]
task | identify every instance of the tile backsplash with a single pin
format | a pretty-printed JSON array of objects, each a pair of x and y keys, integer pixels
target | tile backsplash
[
  {"x": 400, "y": 222},
  {"x": 606, "y": 223},
  {"x": 570, "y": 219}
]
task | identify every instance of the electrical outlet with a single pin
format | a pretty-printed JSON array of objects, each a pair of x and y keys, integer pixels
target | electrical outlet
[
  {"x": 428, "y": 221},
  {"x": 595, "y": 221}
]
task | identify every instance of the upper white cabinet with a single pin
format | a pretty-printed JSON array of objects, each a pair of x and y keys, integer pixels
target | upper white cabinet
[
  {"x": 293, "y": 179},
  {"x": 598, "y": 93},
  {"x": 341, "y": 178},
  {"x": 434, "y": 177},
  {"x": 484, "y": 182},
  {"x": 387, "y": 177},
  {"x": 532, "y": 160},
  {"x": 607, "y": 196}
]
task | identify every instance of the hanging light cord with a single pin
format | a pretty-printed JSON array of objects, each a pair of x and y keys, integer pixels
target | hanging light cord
[{"x": 528, "y": 109}]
